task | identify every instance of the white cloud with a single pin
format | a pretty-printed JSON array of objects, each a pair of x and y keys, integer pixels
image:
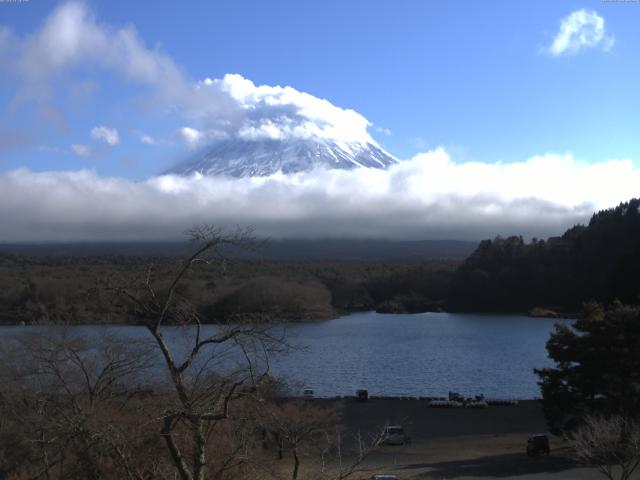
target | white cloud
[
  {"x": 147, "y": 139},
  {"x": 190, "y": 136},
  {"x": 107, "y": 135},
  {"x": 428, "y": 197},
  {"x": 81, "y": 150},
  {"x": 581, "y": 29},
  {"x": 71, "y": 39},
  {"x": 281, "y": 112}
]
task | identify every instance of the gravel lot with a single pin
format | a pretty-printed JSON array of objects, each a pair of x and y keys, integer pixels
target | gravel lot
[{"x": 460, "y": 443}]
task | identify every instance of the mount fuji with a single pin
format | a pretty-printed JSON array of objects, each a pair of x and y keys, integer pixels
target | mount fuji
[{"x": 262, "y": 157}]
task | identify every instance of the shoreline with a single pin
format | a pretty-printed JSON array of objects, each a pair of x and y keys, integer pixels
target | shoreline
[
  {"x": 411, "y": 398},
  {"x": 287, "y": 320}
]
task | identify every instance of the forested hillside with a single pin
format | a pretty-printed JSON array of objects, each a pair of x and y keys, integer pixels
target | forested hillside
[
  {"x": 77, "y": 290},
  {"x": 600, "y": 261}
]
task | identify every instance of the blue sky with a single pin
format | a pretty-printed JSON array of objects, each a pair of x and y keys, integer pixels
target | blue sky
[
  {"x": 524, "y": 112},
  {"x": 473, "y": 77}
]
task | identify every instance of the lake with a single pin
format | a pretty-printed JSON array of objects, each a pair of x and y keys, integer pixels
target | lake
[{"x": 424, "y": 354}]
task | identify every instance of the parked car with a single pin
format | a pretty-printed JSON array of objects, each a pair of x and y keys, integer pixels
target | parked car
[
  {"x": 501, "y": 401},
  {"x": 362, "y": 395},
  {"x": 394, "y": 435},
  {"x": 307, "y": 392},
  {"x": 384, "y": 476},
  {"x": 476, "y": 404},
  {"x": 537, "y": 444},
  {"x": 445, "y": 404}
]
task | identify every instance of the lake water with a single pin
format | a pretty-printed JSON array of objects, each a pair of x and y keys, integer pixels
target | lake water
[{"x": 404, "y": 355}]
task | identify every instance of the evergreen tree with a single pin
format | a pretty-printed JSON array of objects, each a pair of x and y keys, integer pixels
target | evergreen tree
[{"x": 597, "y": 368}]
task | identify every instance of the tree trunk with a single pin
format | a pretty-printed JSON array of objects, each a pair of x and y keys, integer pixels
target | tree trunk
[
  {"x": 199, "y": 454},
  {"x": 296, "y": 464},
  {"x": 176, "y": 455}
]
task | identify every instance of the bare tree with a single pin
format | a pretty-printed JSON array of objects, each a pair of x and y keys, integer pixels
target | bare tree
[
  {"x": 302, "y": 429},
  {"x": 66, "y": 396},
  {"x": 611, "y": 444},
  {"x": 295, "y": 425},
  {"x": 203, "y": 384},
  {"x": 349, "y": 460}
]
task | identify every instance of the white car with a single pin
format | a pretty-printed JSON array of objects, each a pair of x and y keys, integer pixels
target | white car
[
  {"x": 445, "y": 404},
  {"x": 307, "y": 392},
  {"x": 476, "y": 404},
  {"x": 394, "y": 435}
]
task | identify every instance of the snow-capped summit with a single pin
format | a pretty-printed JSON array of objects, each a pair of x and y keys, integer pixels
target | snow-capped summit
[
  {"x": 261, "y": 130},
  {"x": 261, "y": 157}
]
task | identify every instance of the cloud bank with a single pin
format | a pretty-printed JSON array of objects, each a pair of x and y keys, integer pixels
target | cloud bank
[
  {"x": 428, "y": 197},
  {"x": 579, "y": 30}
]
